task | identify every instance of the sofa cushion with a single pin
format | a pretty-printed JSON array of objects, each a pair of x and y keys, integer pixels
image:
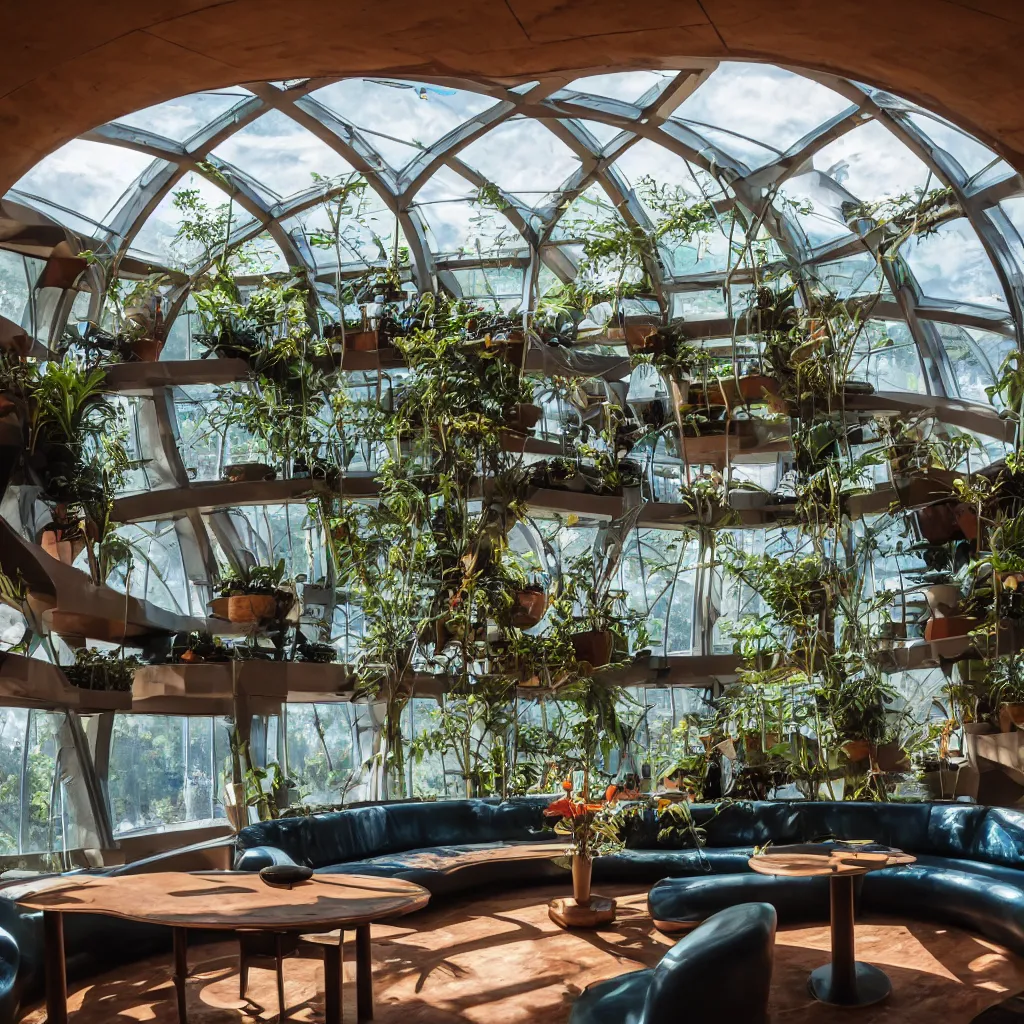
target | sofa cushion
[
  {"x": 688, "y": 901},
  {"x": 651, "y": 865},
  {"x": 998, "y": 837},
  {"x": 989, "y": 906},
  {"x": 362, "y": 832}
]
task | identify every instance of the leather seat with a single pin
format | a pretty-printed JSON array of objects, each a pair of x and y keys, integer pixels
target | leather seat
[
  {"x": 9, "y": 961},
  {"x": 721, "y": 971}
]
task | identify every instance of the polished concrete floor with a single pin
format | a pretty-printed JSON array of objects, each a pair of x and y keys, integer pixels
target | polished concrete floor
[{"x": 500, "y": 959}]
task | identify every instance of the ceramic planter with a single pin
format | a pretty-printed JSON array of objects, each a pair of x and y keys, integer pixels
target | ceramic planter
[
  {"x": 966, "y": 517},
  {"x": 582, "y": 871},
  {"x": 146, "y": 350},
  {"x": 52, "y": 541},
  {"x": 362, "y": 341},
  {"x": 744, "y": 499},
  {"x": 245, "y": 608},
  {"x": 948, "y": 626},
  {"x": 938, "y": 524},
  {"x": 943, "y": 600},
  {"x": 531, "y": 603},
  {"x": 594, "y": 646},
  {"x": 857, "y": 750},
  {"x": 891, "y": 757}
]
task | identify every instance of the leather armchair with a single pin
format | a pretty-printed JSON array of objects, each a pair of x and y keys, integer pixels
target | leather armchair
[
  {"x": 721, "y": 971},
  {"x": 9, "y": 960}
]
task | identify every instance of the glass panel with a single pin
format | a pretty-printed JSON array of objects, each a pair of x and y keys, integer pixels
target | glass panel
[
  {"x": 855, "y": 275},
  {"x": 951, "y": 264},
  {"x": 415, "y": 111},
  {"x": 604, "y": 133},
  {"x": 366, "y": 229},
  {"x": 17, "y": 276},
  {"x": 489, "y": 285},
  {"x": 88, "y": 178},
  {"x": 182, "y": 118},
  {"x": 456, "y": 222},
  {"x": 281, "y": 155},
  {"x": 810, "y": 201},
  {"x": 751, "y": 153},
  {"x": 648, "y": 160},
  {"x": 523, "y": 158},
  {"x": 886, "y": 356},
  {"x": 966, "y": 150},
  {"x": 976, "y": 356},
  {"x": 628, "y": 86},
  {"x": 156, "y": 571},
  {"x": 870, "y": 162},
  {"x": 765, "y": 103},
  {"x": 327, "y": 745},
  {"x": 165, "y": 770},
  {"x": 156, "y": 238},
  {"x": 587, "y": 210}
]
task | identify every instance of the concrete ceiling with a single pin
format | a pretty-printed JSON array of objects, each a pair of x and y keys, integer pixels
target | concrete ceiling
[{"x": 69, "y": 66}]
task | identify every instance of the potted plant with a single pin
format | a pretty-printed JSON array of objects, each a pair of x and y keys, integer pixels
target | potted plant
[
  {"x": 256, "y": 595},
  {"x": 591, "y": 831}
]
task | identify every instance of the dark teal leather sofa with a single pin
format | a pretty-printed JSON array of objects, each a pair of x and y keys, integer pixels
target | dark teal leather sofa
[
  {"x": 721, "y": 971},
  {"x": 432, "y": 844},
  {"x": 969, "y": 870}
]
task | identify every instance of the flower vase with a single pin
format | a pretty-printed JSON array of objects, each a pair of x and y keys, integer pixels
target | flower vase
[{"x": 582, "y": 868}]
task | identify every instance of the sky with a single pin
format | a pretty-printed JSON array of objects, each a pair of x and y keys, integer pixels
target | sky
[{"x": 753, "y": 112}]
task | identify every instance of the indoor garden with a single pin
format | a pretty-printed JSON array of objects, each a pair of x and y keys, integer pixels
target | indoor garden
[{"x": 378, "y": 439}]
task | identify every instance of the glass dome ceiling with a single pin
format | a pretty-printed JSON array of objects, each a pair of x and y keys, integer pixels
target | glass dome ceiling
[
  {"x": 489, "y": 192},
  {"x": 481, "y": 189}
]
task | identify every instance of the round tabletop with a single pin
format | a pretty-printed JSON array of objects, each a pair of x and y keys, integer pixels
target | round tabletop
[
  {"x": 810, "y": 859},
  {"x": 228, "y": 899}
]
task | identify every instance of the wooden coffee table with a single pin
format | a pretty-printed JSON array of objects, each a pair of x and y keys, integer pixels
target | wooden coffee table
[
  {"x": 843, "y": 982},
  {"x": 223, "y": 900}
]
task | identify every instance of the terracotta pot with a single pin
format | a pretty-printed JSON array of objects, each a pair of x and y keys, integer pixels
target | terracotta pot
[
  {"x": 190, "y": 657},
  {"x": 946, "y": 626},
  {"x": 857, "y": 750},
  {"x": 641, "y": 337},
  {"x": 1011, "y": 716},
  {"x": 234, "y": 806},
  {"x": 219, "y": 607},
  {"x": 582, "y": 870},
  {"x": 943, "y": 599},
  {"x": 594, "y": 646},
  {"x": 523, "y": 417},
  {"x": 362, "y": 341},
  {"x": 531, "y": 603},
  {"x": 891, "y": 757},
  {"x": 938, "y": 524},
  {"x": 146, "y": 350},
  {"x": 966, "y": 517},
  {"x": 252, "y": 607},
  {"x": 52, "y": 541}
]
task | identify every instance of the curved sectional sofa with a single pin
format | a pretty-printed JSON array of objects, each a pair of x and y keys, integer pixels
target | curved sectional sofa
[{"x": 969, "y": 870}]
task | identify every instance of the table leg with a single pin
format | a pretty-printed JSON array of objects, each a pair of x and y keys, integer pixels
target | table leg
[
  {"x": 56, "y": 969},
  {"x": 181, "y": 970},
  {"x": 364, "y": 975},
  {"x": 332, "y": 981},
  {"x": 844, "y": 982}
]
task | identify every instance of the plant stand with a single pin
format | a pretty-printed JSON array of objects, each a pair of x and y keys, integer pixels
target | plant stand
[{"x": 567, "y": 913}]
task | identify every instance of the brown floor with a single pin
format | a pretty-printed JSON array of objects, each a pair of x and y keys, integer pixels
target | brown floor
[{"x": 501, "y": 960}]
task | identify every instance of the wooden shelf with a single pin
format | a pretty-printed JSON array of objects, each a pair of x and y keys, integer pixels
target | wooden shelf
[
  {"x": 137, "y": 378},
  {"x": 31, "y": 683}
]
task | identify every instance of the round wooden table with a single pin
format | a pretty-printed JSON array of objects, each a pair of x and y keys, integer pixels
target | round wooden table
[
  {"x": 844, "y": 981},
  {"x": 223, "y": 900}
]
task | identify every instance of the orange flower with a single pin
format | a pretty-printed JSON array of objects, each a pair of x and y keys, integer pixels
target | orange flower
[{"x": 567, "y": 785}]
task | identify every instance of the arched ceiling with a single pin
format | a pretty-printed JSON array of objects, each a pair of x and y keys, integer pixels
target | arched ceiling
[{"x": 68, "y": 67}]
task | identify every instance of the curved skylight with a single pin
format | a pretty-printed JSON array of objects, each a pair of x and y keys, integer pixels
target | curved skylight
[{"x": 463, "y": 181}]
